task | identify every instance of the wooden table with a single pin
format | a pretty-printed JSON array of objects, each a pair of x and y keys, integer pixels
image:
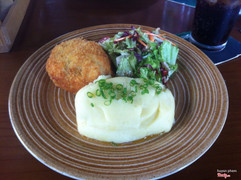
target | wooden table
[{"x": 46, "y": 20}]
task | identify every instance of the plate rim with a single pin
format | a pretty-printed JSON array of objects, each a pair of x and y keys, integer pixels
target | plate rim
[{"x": 75, "y": 32}]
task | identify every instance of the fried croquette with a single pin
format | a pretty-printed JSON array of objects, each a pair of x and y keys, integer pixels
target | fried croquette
[{"x": 75, "y": 63}]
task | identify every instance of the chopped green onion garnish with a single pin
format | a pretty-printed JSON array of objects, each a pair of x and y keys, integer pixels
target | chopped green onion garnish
[
  {"x": 110, "y": 91},
  {"x": 130, "y": 98},
  {"x": 156, "y": 86},
  {"x": 124, "y": 91},
  {"x": 103, "y": 94},
  {"x": 107, "y": 103},
  {"x": 101, "y": 82},
  {"x": 97, "y": 92},
  {"x": 143, "y": 86},
  {"x": 124, "y": 98},
  {"x": 133, "y": 82},
  {"x": 133, "y": 93},
  {"x": 145, "y": 91},
  {"x": 119, "y": 87},
  {"x": 112, "y": 94},
  {"x": 158, "y": 90},
  {"x": 90, "y": 95}
]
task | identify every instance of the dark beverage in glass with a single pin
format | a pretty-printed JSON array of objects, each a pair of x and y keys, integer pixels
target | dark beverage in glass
[{"x": 213, "y": 22}]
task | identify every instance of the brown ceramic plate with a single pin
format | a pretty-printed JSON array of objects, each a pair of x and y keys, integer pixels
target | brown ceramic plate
[{"x": 43, "y": 117}]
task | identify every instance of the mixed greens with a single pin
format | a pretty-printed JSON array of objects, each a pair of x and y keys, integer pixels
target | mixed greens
[
  {"x": 142, "y": 54},
  {"x": 138, "y": 54}
]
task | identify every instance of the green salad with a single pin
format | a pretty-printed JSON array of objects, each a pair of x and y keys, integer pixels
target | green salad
[{"x": 142, "y": 54}]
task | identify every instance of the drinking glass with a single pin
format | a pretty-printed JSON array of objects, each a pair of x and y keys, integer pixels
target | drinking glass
[{"x": 213, "y": 22}]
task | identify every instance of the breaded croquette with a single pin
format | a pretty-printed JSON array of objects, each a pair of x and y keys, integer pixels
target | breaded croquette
[{"x": 76, "y": 62}]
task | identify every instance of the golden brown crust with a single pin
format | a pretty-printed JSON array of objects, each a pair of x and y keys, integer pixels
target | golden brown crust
[{"x": 75, "y": 63}]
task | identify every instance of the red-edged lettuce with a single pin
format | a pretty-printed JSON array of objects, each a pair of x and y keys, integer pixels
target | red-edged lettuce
[{"x": 138, "y": 53}]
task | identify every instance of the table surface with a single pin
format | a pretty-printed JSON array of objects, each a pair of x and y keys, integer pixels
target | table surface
[{"x": 48, "y": 19}]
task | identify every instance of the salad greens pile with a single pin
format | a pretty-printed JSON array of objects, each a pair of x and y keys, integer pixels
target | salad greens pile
[{"x": 142, "y": 54}]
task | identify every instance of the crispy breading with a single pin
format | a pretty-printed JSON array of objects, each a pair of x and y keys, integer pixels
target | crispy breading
[{"x": 76, "y": 62}]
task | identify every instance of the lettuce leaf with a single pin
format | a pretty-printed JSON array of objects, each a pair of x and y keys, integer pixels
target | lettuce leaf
[
  {"x": 168, "y": 52},
  {"x": 126, "y": 65}
]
